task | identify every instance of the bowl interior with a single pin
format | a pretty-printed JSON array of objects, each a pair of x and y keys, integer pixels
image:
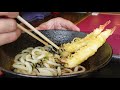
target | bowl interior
[{"x": 8, "y": 51}]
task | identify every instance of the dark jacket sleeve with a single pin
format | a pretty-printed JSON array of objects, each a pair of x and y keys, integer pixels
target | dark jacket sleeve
[{"x": 31, "y": 16}]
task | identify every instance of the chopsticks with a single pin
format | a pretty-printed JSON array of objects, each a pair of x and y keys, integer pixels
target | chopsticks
[
  {"x": 31, "y": 34},
  {"x": 36, "y": 31}
]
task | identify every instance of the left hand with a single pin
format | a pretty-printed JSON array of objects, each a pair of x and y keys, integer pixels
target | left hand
[{"x": 58, "y": 23}]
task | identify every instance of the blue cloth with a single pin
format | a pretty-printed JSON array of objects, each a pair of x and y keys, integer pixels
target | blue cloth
[{"x": 31, "y": 16}]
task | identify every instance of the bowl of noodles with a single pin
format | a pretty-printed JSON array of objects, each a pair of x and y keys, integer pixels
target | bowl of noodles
[{"x": 27, "y": 57}]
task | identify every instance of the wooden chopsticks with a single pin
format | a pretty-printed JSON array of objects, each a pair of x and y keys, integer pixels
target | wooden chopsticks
[
  {"x": 36, "y": 31},
  {"x": 31, "y": 34}
]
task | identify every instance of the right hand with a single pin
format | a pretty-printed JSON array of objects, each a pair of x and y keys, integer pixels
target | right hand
[{"x": 8, "y": 27}]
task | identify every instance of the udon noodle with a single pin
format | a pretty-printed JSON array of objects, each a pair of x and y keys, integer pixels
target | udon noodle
[{"x": 39, "y": 61}]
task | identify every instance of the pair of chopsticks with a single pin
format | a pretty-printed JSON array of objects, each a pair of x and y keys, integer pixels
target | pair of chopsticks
[{"x": 36, "y": 31}]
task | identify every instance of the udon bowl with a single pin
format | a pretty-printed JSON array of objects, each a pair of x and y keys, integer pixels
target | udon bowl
[{"x": 9, "y": 51}]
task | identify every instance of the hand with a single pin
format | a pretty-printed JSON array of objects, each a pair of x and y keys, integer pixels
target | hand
[
  {"x": 8, "y": 27},
  {"x": 58, "y": 23}
]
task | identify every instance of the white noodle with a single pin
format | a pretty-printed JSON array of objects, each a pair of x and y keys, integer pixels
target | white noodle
[
  {"x": 28, "y": 50},
  {"x": 22, "y": 60},
  {"x": 59, "y": 71},
  {"x": 29, "y": 67},
  {"x": 53, "y": 63},
  {"x": 38, "y": 61},
  {"x": 20, "y": 67},
  {"x": 66, "y": 71},
  {"x": 17, "y": 57},
  {"x": 37, "y": 54},
  {"x": 29, "y": 58},
  {"x": 54, "y": 71},
  {"x": 83, "y": 69},
  {"x": 76, "y": 69},
  {"x": 45, "y": 72},
  {"x": 46, "y": 65}
]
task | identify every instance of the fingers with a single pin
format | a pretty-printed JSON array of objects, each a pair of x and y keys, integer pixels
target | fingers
[
  {"x": 45, "y": 26},
  {"x": 66, "y": 24},
  {"x": 9, "y": 14},
  {"x": 8, "y": 28},
  {"x": 9, "y": 37},
  {"x": 58, "y": 23},
  {"x": 7, "y": 25}
]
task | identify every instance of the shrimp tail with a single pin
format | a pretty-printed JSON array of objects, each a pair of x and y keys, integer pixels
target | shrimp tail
[
  {"x": 113, "y": 30},
  {"x": 104, "y": 25},
  {"x": 104, "y": 35}
]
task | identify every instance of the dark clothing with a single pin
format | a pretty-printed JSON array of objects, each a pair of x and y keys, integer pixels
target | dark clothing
[{"x": 31, "y": 16}]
